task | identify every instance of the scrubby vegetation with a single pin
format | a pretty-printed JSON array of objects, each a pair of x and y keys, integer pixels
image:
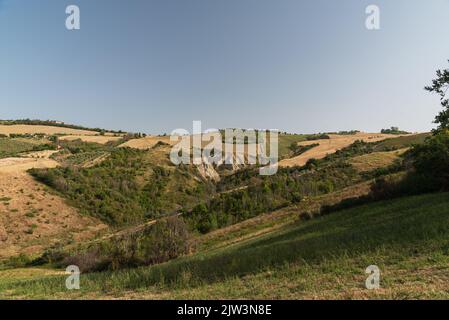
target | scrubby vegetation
[
  {"x": 266, "y": 194},
  {"x": 401, "y": 142},
  {"x": 393, "y": 130},
  {"x": 128, "y": 187},
  {"x": 165, "y": 240},
  {"x": 246, "y": 194},
  {"x": 426, "y": 162},
  {"x": 299, "y": 149},
  {"x": 13, "y": 147},
  {"x": 321, "y": 258},
  {"x": 319, "y": 136}
]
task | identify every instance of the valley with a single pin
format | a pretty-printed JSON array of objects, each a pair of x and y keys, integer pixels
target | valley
[{"x": 88, "y": 199}]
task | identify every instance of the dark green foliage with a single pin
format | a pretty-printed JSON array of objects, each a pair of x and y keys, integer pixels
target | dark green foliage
[
  {"x": 161, "y": 242},
  {"x": 431, "y": 159},
  {"x": 299, "y": 149},
  {"x": 348, "y": 133},
  {"x": 428, "y": 171},
  {"x": 267, "y": 193},
  {"x": 319, "y": 136},
  {"x": 126, "y": 188},
  {"x": 401, "y": 142},
  {"x": 20, "y": 261},
  {"x": 440, "y": 86},
  {"x": 393, "y": 130}
]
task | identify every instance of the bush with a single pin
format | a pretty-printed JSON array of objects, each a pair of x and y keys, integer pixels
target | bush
[
  {"x": 161, "y": 242},
  {"x": 166, "y": 240},
  {"x": 432, "y": 159},
  {"x": 19, "y": 261}
]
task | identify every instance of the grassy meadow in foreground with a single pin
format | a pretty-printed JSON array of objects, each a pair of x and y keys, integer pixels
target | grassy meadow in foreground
[{"x": 322, "y": 258}]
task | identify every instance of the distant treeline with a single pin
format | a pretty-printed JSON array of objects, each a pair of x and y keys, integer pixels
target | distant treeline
[{"x": 393, "y": 130}]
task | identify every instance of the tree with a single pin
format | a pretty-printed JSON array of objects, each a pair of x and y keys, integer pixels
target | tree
[{"x": 440, "y": 85}]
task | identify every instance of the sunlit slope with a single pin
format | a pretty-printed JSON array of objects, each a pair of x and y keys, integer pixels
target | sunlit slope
[
  {"x": 408, "y": 239},
  {"x": 330, "y": 146}
]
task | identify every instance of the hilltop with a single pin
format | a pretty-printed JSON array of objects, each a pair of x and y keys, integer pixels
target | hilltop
[{"x": 103, "y": 200}]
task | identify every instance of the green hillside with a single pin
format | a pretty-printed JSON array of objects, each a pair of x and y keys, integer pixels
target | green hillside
[
  {"x": 401, "y": 142},
  {"x": 407, "y": 238}
]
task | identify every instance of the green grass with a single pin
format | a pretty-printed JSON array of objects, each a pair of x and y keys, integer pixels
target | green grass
[
  {"x": 12, "y": 147},
  {"x": 326, "y": 257},
  {"x": 401, "y": 142},
  {"x": 285, "y": 141}
]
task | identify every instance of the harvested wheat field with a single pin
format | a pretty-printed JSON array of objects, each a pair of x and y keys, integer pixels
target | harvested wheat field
[
  {"x": 147, "y": 142},
  {"x": 332, "y": 145},
  {"x": 50, "y": 130},
  {"x": 32, "y": 219},
  {"x": 20, "y": 165},
  {"x": 375, "y": 160},
  {"x": 96, "y": 139}
]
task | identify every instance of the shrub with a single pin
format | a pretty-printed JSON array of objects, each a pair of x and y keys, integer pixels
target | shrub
[
  {"x": 161, "y": 242},
  {"x": 432, "y": 158},
  {"x": 166, "y": 240}
]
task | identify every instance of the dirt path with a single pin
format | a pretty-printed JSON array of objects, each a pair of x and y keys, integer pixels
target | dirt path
[{"x": 332, "y": 145}]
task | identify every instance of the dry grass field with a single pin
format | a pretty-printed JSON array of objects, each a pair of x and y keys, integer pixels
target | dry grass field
[
  {"x": 31, "y": 218},
  {"x": 375, "y": 160},
  {"x": 49, "y": 130},
  {"x": 146, "y": 142},
  {"x": 96, "y": 139},
  {"x": 332, "y": 145}
]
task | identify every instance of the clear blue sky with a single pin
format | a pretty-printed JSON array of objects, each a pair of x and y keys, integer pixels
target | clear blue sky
[{"x": 153, "y": 66}]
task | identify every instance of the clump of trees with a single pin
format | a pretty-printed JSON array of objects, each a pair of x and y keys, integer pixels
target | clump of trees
[
  {"x": 426, "y": 163},
  {"x": 319, "y": 136},
  {"x": 299, "y": 149},
  {"x": 166, "y": 240},
  {"x": 440, "y": 86},
  {"x": 126, "y": 188},
  {"x": 267, "y": 193},
  {"x": 393, "y": 130}
]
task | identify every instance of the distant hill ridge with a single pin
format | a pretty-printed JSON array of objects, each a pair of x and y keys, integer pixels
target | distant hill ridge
[{"x": 54, "y": 123}]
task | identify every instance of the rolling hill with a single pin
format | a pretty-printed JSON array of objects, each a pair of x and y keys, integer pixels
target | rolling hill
[
  {"x": 322, "y": 258},
  {"x": 96, "y": 192}
]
